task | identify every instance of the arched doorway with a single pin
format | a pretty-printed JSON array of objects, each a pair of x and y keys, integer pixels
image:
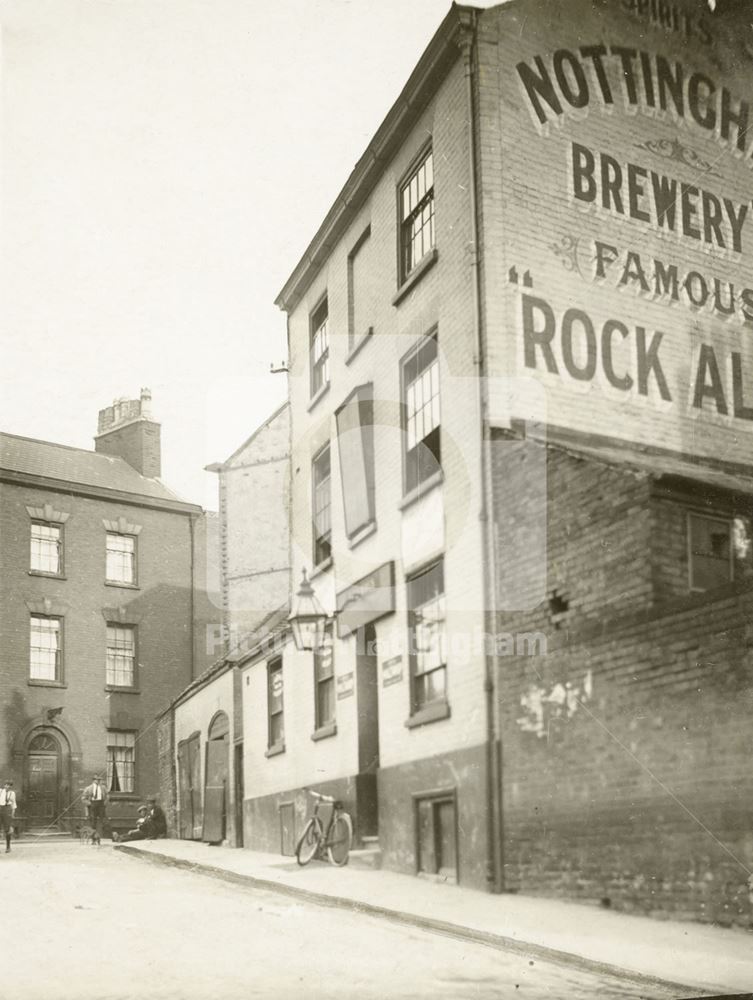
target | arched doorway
[
  {"x": 43, "y": 780},
  {"x": 216, "y": 774}
]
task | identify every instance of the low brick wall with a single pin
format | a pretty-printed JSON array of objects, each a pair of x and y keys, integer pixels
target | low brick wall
[{"x": 166, "y": 770}]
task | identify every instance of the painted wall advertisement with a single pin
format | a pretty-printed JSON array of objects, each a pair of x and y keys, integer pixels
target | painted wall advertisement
[{"x": 629, "y": 200}]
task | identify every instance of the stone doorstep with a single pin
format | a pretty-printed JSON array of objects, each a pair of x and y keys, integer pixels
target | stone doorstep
[{"x": 367, "y": 858}]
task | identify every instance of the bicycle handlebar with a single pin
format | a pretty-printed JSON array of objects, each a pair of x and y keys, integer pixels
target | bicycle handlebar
[{"x": 322, "y": 798}]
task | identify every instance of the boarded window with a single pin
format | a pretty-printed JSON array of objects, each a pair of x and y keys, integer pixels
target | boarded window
[
  {"x": 362, "y": 297},
  {"x": 355, "y": 445}
]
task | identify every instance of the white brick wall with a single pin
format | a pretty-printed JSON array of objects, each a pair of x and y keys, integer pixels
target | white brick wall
[
  {"x": 304, "y": 761},
  {"x": 529, "y": 209},
  {"x": 448, "y": 521},
  {"x": 196, "y": 714}
]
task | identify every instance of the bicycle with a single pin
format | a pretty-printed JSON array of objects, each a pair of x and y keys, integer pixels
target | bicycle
[{"x": 337, "y": 838}]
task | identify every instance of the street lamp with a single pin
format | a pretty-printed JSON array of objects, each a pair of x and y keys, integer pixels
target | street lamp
[{"x": 308, "y": 619}]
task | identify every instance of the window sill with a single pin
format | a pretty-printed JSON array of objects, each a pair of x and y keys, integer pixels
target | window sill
[
  {"x": 317, "y": 396},
  {"x": 48, "y": 576},
  {"x": 422, "y": 489},
  {"x": 323, "y": 732},
  {"x": 362, "y": 534},
  {"x": 34, "y": 682},
  {"x": 429, "y": 260},
  {"x": 359, "y": 344},
  {"x": 123, "y": 586},
  {"x": 123, "y": 796},
  {"x": 278, "y": 748},
  {"x": 429, "y": 713},
  {"x": 115, "y": 689},
  {"x": 320, "y": 568}
]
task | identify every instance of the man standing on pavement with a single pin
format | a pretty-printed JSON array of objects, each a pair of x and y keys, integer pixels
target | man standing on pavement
[
  {"x": 7, "y": 812},
  {"x": 95, "y": 799}
]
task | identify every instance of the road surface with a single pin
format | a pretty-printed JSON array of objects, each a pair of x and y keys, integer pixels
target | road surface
[{"x": 86, "y": 923}]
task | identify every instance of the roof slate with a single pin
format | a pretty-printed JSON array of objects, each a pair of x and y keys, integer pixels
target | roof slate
[
  {"x": 660, "y": 466},
  {"x": 76, "y": 465}
]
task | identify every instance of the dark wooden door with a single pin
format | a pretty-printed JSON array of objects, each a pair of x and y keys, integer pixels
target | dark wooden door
[
  {"x": 189, "y": 788},
  {"x": 239, "y": 794},
  {"x": 43, "y": 789},
  {"x": 446, "y": 840},
  {"x": 185, "y": 819},
  {"x": 215, "y": 791},
  {"x": 368, "y": 700},
  {"x": 194, "y": 769}
]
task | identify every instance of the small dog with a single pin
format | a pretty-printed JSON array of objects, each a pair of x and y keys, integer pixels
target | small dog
[{"x": 87, "y": 834}]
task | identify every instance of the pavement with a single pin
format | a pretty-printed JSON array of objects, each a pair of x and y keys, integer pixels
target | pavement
[{"x": 687, "y": 958}]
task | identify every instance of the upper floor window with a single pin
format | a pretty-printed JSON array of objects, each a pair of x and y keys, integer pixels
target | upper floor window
[
  {"x": 276, "y": 732},
  {"x": 319, "y": 323},
  {"x": 322, "y": 505},
  {"x": 426, "y": 624},
  {"x": 46, "y": 548},
  {"x": 121, "y": 762},
  {"x": 355, "y": 446},
  {"x": 417, "y": 215},
  {"x": 120, "y": 558},
  {"x": 421, "y": 413},
  {"x": 120, "y": 658},
  {"x": 324, "y": 680},
  {"x": 362, "y": 297},
  {"x": 719, "y": 550},
  {"x": 45, "y": 649}
]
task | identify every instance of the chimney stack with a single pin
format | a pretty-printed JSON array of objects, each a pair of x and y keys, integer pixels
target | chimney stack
[{"x": 126, "y": 429}]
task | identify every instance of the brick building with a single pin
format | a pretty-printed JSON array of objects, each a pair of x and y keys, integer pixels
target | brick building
[
  {"x": 201, "y": 754},
  {"x": 254, "y": 527},
  {"x": 105, "y": 607},
  {"x": 521, "y": 400}
]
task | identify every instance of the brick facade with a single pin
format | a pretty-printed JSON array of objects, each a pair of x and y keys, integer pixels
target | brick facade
[
  {"x": 626, "y": 747},
  {"x": 63, "y": 726},
  {"x": 168, "y": 787},
  {"x": 255, "y": 527},
  {"x": 588, "y": 413}
]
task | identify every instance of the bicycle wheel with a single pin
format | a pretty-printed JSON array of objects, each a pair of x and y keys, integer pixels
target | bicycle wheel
[
  {"x": 308, "y": 842},
  {"x": 340, "y": 839}
]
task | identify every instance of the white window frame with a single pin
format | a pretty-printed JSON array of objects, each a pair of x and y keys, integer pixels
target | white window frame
[
  {"x": 319, "y": 349},
  {"x": 55, "y": 647},
  {"x": 121, "y": 761},
  {"x": 39, "y": 554},
  {"x": 120, "y": 657},
  {"x": 122, "y": 580}
]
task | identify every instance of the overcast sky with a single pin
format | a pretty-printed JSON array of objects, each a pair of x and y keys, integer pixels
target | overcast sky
[{"x": 164, "y": 165}]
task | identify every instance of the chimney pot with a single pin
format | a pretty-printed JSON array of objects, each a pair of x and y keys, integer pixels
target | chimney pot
[{"x": 127, "y": 430}]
